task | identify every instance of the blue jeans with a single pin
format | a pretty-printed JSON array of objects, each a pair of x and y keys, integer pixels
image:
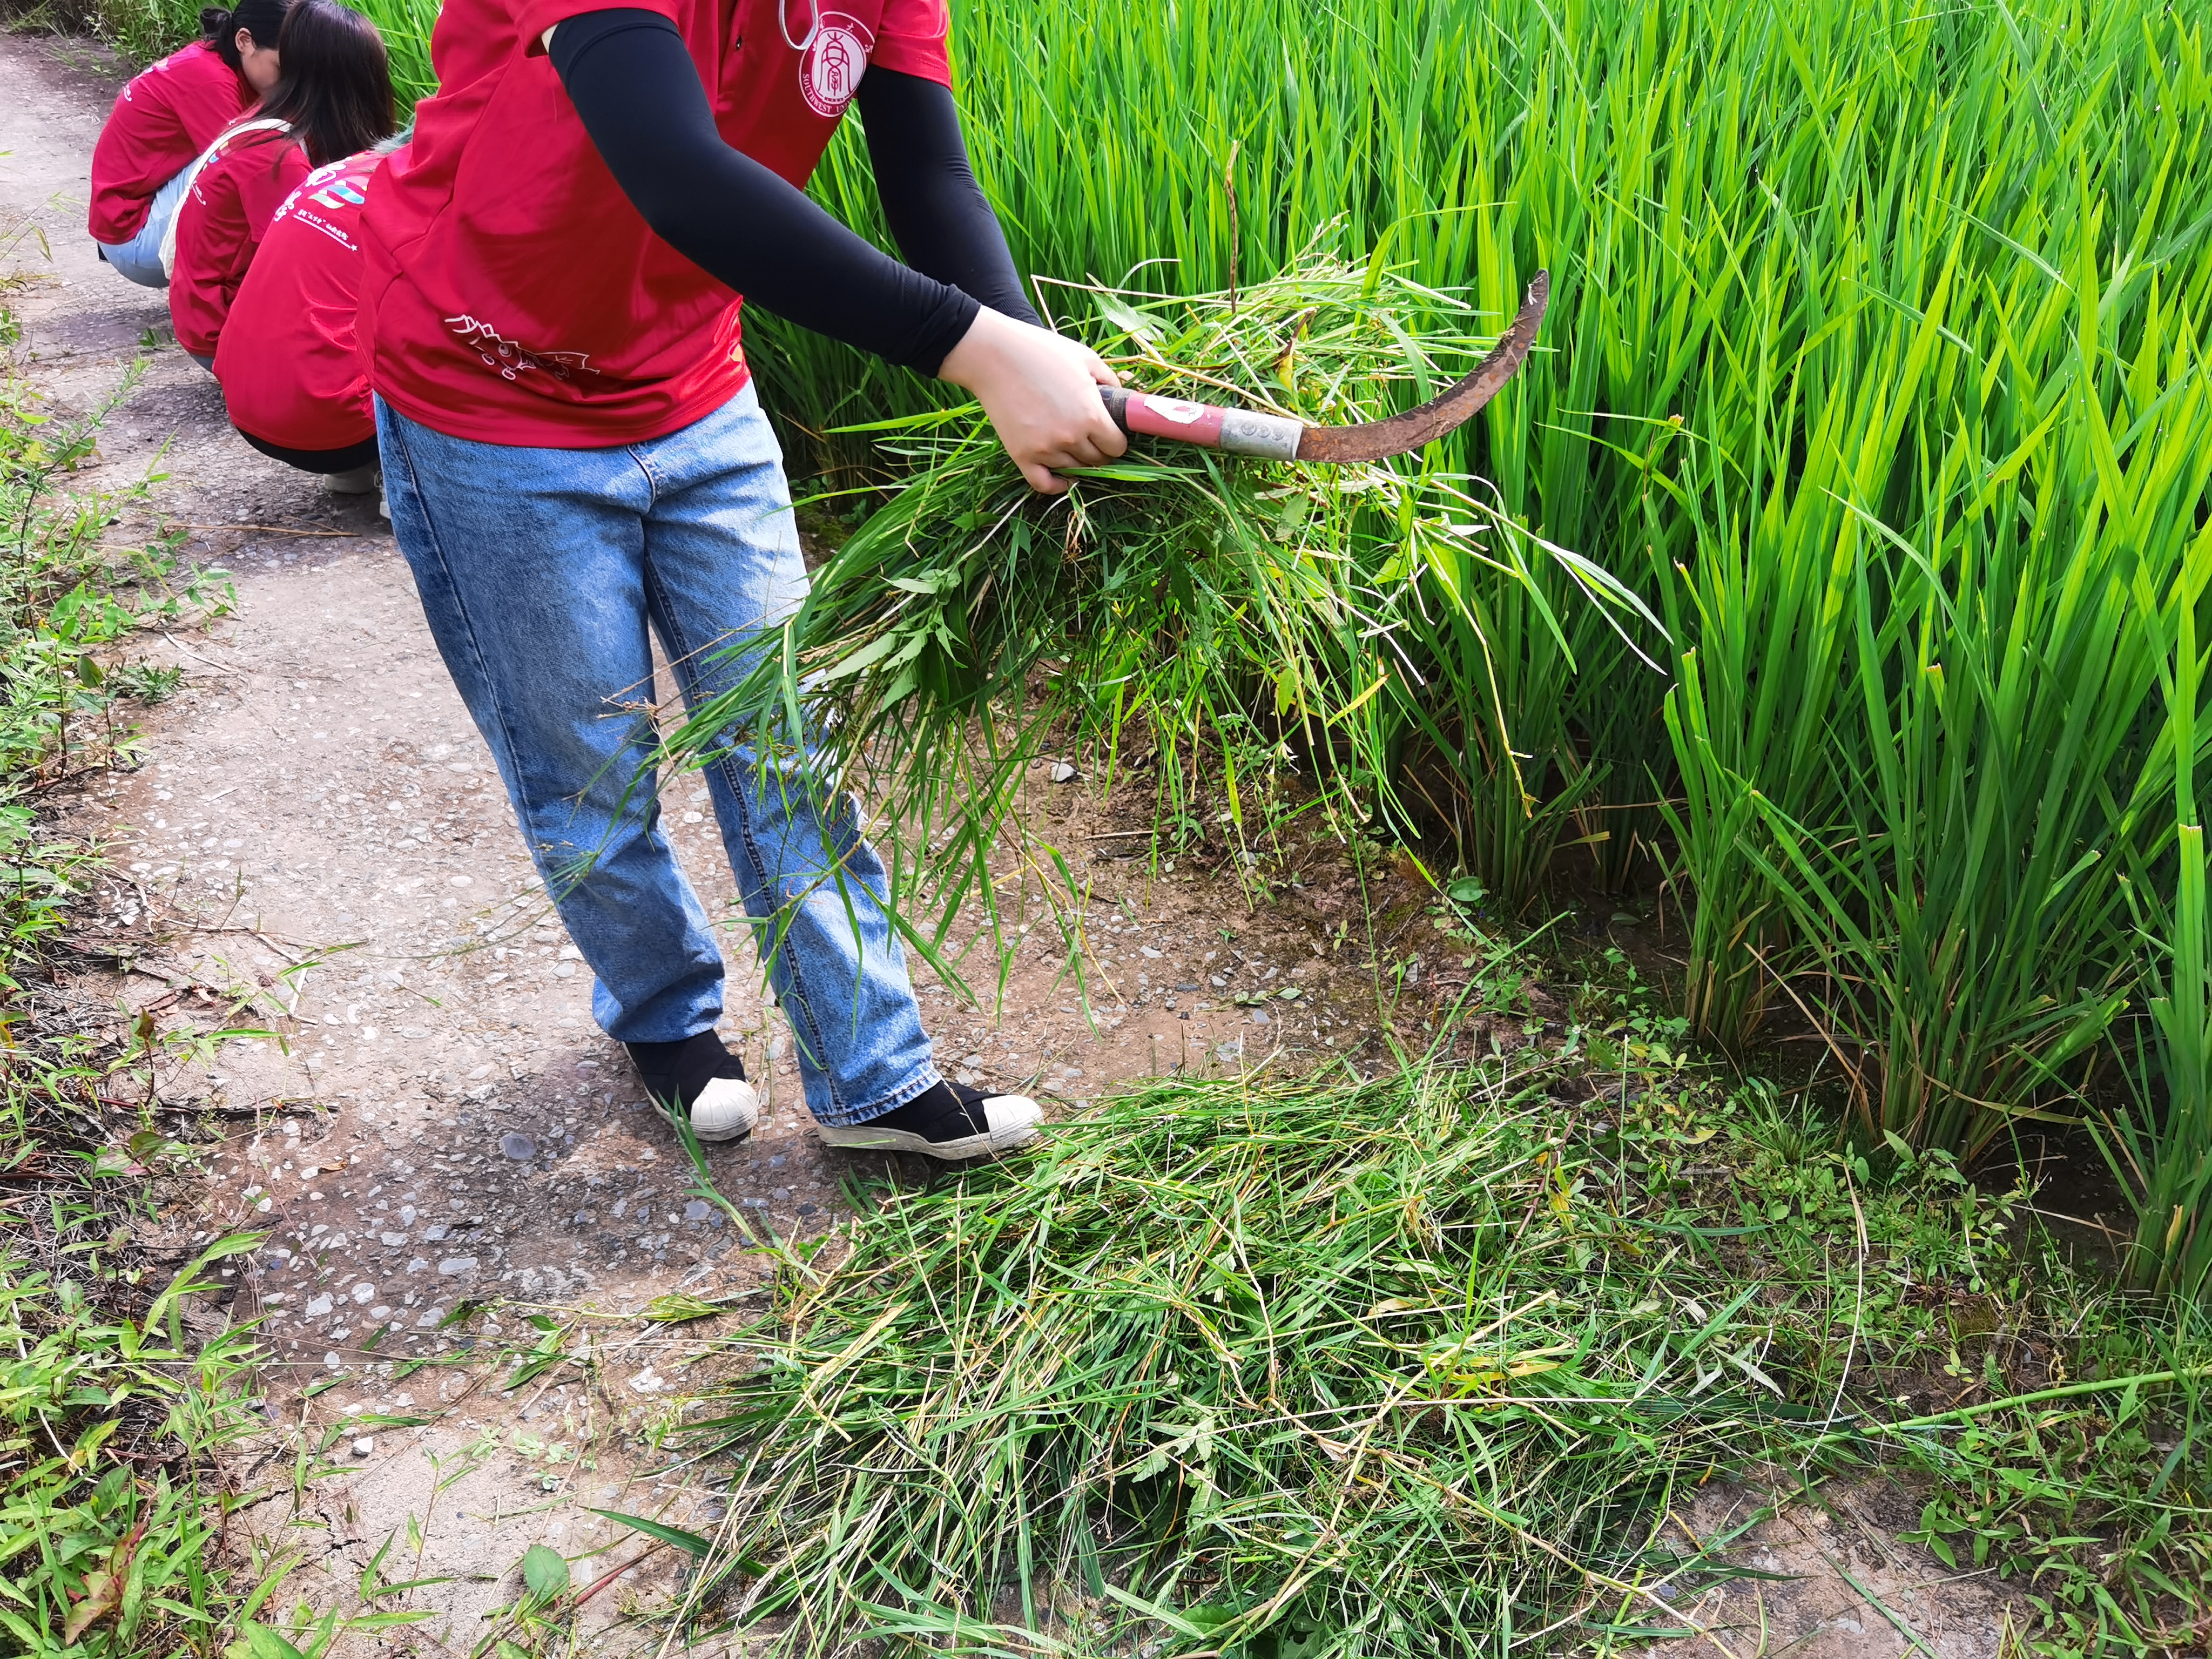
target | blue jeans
[
  {"x": 140, "y": 259},
  {"x": 539, "y": 571}
]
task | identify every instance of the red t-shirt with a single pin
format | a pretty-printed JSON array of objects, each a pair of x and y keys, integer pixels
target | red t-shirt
[
  {"x": 220, "y": 224},
  {"x": 510, "y": 292},
  {"x": 161, "y": 121},
  {"x": 291, "y": 370}
]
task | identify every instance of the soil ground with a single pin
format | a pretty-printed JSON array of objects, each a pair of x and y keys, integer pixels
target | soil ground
[{"x": 317, "y": 846}]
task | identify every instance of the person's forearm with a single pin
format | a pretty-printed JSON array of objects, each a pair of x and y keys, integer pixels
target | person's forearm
[
  {"x": 638, "y": 95},
  {"x": 931, "y": 201}
]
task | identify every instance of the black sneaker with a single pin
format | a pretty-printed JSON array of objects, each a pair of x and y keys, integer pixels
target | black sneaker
[
  {"x": 952, "y": 1122},
  {"x": 700, "y": 1080}
]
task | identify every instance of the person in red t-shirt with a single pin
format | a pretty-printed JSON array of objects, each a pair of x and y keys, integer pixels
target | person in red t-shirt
[
  {"x": 161, "y": 123},
  {"x": 574, "y": 453},
  {"x": 291, "y": 370},
  {"x": 334, "y": 99}
]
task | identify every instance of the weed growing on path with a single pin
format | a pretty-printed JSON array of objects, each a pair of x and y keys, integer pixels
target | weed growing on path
[{"x": 115, "y": 1535}]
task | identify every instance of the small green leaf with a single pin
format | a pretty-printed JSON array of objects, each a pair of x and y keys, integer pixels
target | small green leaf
[
  {"x": 1143, "y": 324},
  {"x": 677, "y": 1307},
  {"x": 544, "y": 1571},
  {"x": 689, "y": 1542},
  {"x": 263, "y": 1642}
]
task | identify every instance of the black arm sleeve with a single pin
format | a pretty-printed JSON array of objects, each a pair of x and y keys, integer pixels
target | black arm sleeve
[
  {"x": 633, "y": 85},
  {"x": 930, "y": 199}
]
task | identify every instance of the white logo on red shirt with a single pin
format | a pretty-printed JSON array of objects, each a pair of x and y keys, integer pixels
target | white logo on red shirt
[
  {"x": 836, "y": 58},
  {"x": 507, "y": 359}
]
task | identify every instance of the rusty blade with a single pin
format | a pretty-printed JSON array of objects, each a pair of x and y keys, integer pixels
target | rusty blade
[{"x": 1342, "y": 444}]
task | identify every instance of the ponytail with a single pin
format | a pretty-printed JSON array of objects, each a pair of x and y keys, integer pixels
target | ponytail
[
  {"x": 262, "y": 19},
  {"x": 335, "y": 93}
]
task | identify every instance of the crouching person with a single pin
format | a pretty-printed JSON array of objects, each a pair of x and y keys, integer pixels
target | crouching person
[
  {"x": 163, "y": 121},
  {"x": 291, "y": 373},
  {"x": 333, "y": 100}
]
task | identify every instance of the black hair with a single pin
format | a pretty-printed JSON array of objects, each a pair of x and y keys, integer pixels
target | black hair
[
  {"x": 334, "y": 89},
  {"x": 262, "y": 19}
]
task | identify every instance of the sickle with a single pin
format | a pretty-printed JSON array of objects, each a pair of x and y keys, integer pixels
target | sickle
[{"x": 1246, "y": 432}]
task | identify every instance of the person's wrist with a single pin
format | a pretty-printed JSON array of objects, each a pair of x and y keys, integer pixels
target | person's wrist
[{"x": 971, "y": 359}]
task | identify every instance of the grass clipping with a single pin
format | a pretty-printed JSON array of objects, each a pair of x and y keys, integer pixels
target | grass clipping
[
  {"x": 1237, "y": 612},
  {"x": 1267, "y": 1369}
]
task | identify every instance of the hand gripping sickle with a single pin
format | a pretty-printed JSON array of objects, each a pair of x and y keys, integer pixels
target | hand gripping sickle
[{"x": 1246, "y": 432}]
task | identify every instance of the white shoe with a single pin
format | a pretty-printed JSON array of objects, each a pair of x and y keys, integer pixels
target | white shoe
[
  {"x": 359, "y": 480},
  {"x": 726, "y": 1110},
  {"x": 984, "y": 1127}
]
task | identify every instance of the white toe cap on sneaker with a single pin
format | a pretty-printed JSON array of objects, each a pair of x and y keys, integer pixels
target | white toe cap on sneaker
[
  {"x": 1012, "y": 1120},
  {"x": 726, "y": 1110}
]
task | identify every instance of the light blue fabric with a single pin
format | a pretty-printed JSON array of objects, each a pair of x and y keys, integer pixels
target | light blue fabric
[
  {"x": 140, "y": 259},
  {"x": 539, "y": 570}
]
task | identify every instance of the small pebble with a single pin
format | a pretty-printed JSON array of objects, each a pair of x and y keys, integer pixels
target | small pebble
[
  {"x": 775, "y": 1162},
  {"x": 364, "y": 1446},
  {"x": 807, "y": 1209},
  {"x": 695, "y": 1209},
  {"x": 520, "y": 1147},
  {"x": 1186, "y": 987},
  {"x": 782, "y": 1195}
]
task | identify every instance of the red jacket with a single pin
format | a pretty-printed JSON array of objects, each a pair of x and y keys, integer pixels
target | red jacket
[
  {"x": 290, "y": 371},
  {"x": 220, "y": 224},
  {"x": 161, "y": 121}
]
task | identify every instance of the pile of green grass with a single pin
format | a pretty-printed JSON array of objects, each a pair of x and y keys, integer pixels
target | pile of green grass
[
  {"x": 1414, "y": 1366},
  {"x": 1361, "y": 1369}
]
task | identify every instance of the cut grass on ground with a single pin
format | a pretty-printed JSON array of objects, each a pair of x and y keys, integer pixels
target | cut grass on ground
[{"x": 1419, "y": 1365}]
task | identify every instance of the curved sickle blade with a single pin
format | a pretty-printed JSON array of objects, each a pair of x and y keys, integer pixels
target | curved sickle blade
[{"x": 1340, "y": 445}]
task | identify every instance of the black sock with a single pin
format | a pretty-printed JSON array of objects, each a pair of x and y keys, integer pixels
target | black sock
[
  {"x": 677, "y": 1073},
  {"x": 950, "y": 1111}
]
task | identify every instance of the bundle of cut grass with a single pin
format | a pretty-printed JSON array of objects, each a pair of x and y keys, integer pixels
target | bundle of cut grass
[
  {"x": 1275, "y": 1370},
  {"x": 1235, "y": 609}
]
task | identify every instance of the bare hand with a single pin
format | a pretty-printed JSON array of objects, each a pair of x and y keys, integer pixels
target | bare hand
[{"x": 1040, "y": 392}]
